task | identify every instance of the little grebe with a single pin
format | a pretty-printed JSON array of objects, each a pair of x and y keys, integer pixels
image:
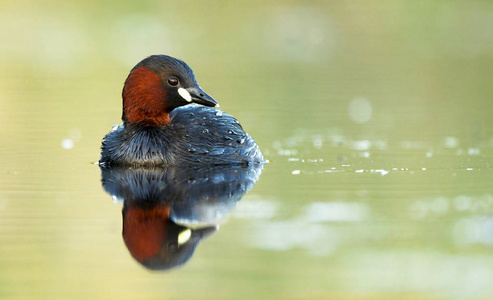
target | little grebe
[{"x": 160, "y": 128}]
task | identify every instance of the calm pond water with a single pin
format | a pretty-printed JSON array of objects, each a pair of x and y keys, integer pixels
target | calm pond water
[{"x": 376, "y": 119}]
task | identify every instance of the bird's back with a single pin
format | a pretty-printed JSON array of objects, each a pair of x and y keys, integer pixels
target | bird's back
[
  {"x": 196, "y": 136},
  {"x": 212, "y": 137}
]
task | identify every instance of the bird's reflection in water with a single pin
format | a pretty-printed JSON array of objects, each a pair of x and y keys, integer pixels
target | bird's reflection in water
[{"x": 167, "y": 212}]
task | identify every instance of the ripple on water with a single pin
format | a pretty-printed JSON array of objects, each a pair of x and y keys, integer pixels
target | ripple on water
[{"x": 325, "y": 149}]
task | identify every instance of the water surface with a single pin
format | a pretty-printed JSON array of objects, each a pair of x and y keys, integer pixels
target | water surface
[{"x": 375, "y": 117}]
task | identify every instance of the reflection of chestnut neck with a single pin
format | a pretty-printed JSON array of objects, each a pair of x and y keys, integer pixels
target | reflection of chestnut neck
[{"x": 145, "y": 230}]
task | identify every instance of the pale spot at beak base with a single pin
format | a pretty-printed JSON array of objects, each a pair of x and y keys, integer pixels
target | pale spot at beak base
[
  {"x": 184, "y": 236},
  {"x": 185, "y": 94}
]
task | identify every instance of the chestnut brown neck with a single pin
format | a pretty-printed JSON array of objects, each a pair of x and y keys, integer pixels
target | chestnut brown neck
[{"x": 144, "y": 99}]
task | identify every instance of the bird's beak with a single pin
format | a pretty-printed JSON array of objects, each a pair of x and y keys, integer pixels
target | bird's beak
[{"x": 201, "y": 97}]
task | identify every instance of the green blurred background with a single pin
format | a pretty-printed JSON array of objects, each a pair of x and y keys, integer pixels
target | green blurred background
[{"x": 376, "y": 117}]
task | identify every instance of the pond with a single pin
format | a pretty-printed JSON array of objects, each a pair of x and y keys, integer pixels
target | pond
[{"x": 376, "y": 120}]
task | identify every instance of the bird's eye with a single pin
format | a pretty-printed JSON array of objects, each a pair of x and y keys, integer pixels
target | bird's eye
[
  {"x": 172, "y": 247},
  {"x": 173, "y": 81}
]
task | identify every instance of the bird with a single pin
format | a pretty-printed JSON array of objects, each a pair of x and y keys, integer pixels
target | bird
[{"x": 168, "y": 120}]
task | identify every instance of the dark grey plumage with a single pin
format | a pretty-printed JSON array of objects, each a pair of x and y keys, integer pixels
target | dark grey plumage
[{"x": 196, "y": 136}]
